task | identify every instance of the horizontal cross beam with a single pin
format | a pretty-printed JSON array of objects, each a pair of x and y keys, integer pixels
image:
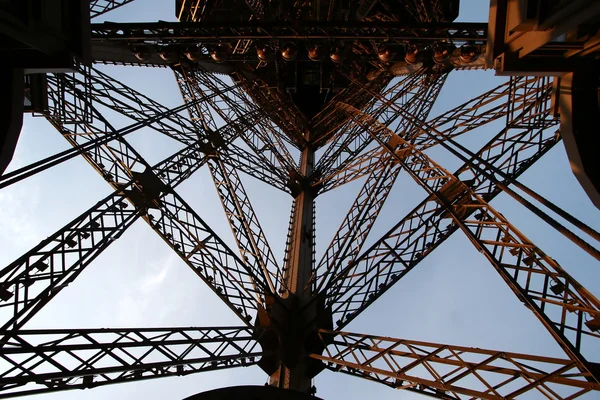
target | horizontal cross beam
[
  {"x": 41, "y": 361},
  {"x": 452, "y": 372},
  {"x": 190, "y": 32}
]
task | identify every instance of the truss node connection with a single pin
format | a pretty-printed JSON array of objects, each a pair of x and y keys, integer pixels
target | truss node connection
[{"x": 305, "y": 97}]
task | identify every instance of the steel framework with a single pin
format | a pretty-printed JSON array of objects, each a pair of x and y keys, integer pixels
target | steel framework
[{"x": 374, "y": 128}]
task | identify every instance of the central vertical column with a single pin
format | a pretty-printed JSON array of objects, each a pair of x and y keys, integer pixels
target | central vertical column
[
  {"x": 299, "y": 268},
  {"x": 298, "y": 272}
]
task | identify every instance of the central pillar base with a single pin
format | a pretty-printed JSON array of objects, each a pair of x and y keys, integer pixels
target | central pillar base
[
  {"x": 292, "y": 378},
  {"x": 289, "y": 332}
]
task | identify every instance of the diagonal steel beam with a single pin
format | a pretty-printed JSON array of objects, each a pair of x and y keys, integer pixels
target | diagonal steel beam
[
  {"x": 105, "y": 90},
  {"x": 364, "y": 164},
  {"x": 99, "y": 7},
  {"x": 42, "y": 361},
  {"x": 452, "y": 372},
  {"x": 261, "y": 137},
  {"x": 535, "y": 278},
  {"x": 469, "y": 115},
  {"x": 117, "y": 96},
  {"x": 349, "y": 140},
  {"x": 228, "y": 103},
  {"x": 425, "y": 228},
  {"x": 504, "y": 101},
  {"x": 251, "y": 240},
  {"x": 283, "y": 113},
  {"x": 354, "y": 229},
  {"x": 247, "y": 162},
  {"x": 35, "y": 278},
  {"x": 31, "y": 281},
  {"x": 328, "y": 122},
  {"x": 198, "y": 246},
  {"x": 208, "y": 256},
  {"x": 420, "y": 101},
  {"x": 523, "y": 101}
]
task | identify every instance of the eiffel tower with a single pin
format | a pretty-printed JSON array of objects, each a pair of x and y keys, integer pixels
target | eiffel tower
[{"x": 306, "y": 97}]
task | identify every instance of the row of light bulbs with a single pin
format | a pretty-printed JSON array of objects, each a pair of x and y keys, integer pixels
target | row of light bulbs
[
  {"x": 440, "y": 54},
  {"x": 317, "y": 52},
  {"x": 337, "y": 54}
]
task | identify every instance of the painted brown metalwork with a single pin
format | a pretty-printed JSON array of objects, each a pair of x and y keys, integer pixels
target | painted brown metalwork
[
  {"x": 307, "y": 97},
  {"x": 448, "y": 372}
]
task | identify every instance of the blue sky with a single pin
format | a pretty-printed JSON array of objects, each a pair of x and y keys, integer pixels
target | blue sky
[{"x": 454, "y": 296}]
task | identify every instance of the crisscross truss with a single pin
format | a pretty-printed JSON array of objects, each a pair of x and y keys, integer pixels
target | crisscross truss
[
  {"x": 451, "y": 372},
  {"x": 375, "y": 128},
  {"x": 77, "y": 359},
  {"x": 99, "y": 7}
]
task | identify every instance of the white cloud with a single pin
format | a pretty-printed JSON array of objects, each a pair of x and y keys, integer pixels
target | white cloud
[
  {"x": 19, "y": 206},
  {"x": 142, "y": 301},
  {"x": 151, "y": 283}
]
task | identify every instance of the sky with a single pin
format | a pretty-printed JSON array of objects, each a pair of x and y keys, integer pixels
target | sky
[{"x": 453, "y": 297}]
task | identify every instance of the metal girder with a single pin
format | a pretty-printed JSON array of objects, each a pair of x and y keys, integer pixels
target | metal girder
[
  {"x": 190, "y": 10},
  {"x": 421, "y": 103},
  {"x": 42, "y": 361},
  {"x": 229, "y": 104},
  {"x": 417, "y": 235},
  {"x": 341, "y": 138},
  {"x": 35, "y": 278},
  {"x": 210, "y": 32},
  {"x": 560, "y": 302},
  {"x": 251, "y": 240},
  {"x": 504, "y": 101},
  {"x": 284, "y": 114},
  {"x": 123, "y": 99},
  {"x": 208, "y": 256},
  {"x": 414, "y": 91},
  {"x": 257, "y": 7},
  {"x": 300, "y": 252},
  {"x": 99, "y": 7},
  {"x": 261, "y": 137},
  {"x": 363, "y": 165},
  {"x": 233, "y": 134},
  {"x": 201, "y": 115},
  {"x": 508, "y": 100},
  {"x": 116, "y": 42},
  {"x": 79, "y": 122},
  {"x": 423, "y": 229},
  {"x": 196, "y": 10},
  {"x": 329, "y": 121},
  {"x": 288, "y": 241},
  {"x": 452, "y": 372},
  {"x": 427, "y": 11},
  {"x": 297, "y": 294},
  {"x": 357, "y": 224},
  {"x": 48, "y": 162},
  {"x": 193, "y": 240},
  {"x": 115, "y": 95},
  {"x": 250, "y": 164}
]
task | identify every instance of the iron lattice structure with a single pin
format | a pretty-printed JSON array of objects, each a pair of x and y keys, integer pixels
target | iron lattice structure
[{"x": 374, "y": 124}]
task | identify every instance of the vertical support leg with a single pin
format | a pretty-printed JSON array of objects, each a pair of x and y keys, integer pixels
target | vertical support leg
[{"x": 298, "y": 269}]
